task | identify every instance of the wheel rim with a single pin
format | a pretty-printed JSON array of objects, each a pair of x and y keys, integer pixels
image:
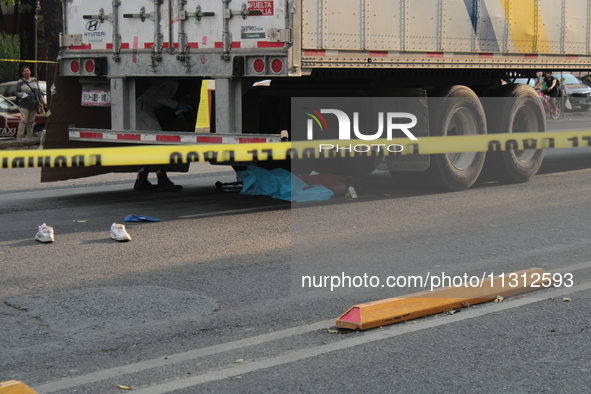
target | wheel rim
[
  {"x": 463, "y": 122},
  {"x": 525, "y": 122}
]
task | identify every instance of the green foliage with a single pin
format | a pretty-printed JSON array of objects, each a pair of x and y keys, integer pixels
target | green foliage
[
  {"x": 27, "y": 6},
  {"x": 9, "y": 49}
]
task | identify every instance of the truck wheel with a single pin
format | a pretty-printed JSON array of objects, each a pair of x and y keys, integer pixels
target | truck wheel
[
  {"x": 520, "y": 111},
  {"x": 456, "y": 111}
]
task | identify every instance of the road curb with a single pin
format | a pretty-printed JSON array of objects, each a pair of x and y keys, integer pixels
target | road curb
[
  {"x": 12, "y": 143},
  {"x": 393, "y": 310}
]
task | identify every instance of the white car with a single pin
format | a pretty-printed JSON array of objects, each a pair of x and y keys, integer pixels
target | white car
[{"x": 8, "y": 90}]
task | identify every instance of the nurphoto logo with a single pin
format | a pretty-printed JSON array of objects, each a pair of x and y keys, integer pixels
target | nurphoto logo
[{"x": 387, "y": 121}]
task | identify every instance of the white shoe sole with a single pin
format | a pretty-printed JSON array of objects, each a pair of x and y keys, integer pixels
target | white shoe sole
[{"x": 120, "y": 239}]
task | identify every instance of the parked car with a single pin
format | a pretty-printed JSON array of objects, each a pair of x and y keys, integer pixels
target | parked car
[
  {"x": 8, "y": 90},
  {"x": 586, "y": 80},
  {"x": 526, "y": 81},
  {"x": 579, "y": 94},
  {"x": 10, "y": 117}
]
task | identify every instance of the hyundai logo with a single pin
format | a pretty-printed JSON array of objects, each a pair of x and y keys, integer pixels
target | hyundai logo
[{"x": 93, "y": 25}]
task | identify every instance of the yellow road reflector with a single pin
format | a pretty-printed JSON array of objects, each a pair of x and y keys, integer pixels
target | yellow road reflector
[
  {"x": 424, "y": 303},
  {"x": 15, "y": 387},
  {"x": 248, "y": 152}
]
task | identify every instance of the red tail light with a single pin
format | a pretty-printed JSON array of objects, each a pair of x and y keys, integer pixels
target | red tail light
[
  {"x": 75, "y": 66},
  {"x": 259, "y": 66},
  {"x": 89, "y": 66},
  {"x": 277, "y": 66}
]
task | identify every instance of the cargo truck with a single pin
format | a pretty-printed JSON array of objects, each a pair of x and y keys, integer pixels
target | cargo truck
[{"x": 460, "y": 51}]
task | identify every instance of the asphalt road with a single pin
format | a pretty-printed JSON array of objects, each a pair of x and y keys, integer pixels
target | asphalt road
[{"x": 210, "y": 298}]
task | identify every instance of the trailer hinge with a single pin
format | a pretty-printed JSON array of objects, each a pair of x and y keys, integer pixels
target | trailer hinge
[
  {"x": 70, "y": 40},
  {"x": 158, "y": 37},
  {"x": 183, "y": 55},
  {"x": 279, "y": 35},
  {"x": 244, "y": 12},
  {"x": 143, "y": 15},
  {"x": 116, "y": 37},
  {"x": 100, "y": 17},
  {"x": 198, "y": 14}
]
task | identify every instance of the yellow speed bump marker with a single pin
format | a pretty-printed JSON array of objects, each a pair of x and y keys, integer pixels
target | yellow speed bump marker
[
  {"x": 394, "y": 310},
  {"x": 15, "y": 387}
]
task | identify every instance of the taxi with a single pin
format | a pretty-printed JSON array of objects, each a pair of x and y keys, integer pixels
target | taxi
[{"x": 10, "y": 118}]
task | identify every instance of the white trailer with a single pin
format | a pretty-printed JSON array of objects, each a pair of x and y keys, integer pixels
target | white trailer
[{"x": 467, "y": 49}]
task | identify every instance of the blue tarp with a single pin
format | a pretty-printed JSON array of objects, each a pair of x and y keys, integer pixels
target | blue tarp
[{"x": 281, "y": 184}]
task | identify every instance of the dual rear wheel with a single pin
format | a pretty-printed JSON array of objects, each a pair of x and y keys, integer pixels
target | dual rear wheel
[{"x": 458, "y": 111}]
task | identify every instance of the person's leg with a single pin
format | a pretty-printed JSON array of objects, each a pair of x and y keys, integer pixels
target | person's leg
[
  {"x": 164, "y": 183},
  {"x": 31, "y": 121},
  {"x": 22, "y": 124},
  {"x": 141, "y": 182}
]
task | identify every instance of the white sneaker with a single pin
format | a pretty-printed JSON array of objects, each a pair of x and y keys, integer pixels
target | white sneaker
[
  {"x": 45, "y": 234},
  {"x": 118, "y": 233}
]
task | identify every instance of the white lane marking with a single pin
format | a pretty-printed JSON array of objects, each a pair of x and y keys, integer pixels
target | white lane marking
[
  {"x": 574, "y": 267},
  {"x": 179, "y": 357},
  {"x": 229, "y": 346},
  {"x": 379, "y": 335}
]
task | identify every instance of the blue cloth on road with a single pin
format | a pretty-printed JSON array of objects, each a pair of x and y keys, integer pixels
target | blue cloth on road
[
  {"x": 281, "y": 184},
  {"x": 135, "y": 218}
]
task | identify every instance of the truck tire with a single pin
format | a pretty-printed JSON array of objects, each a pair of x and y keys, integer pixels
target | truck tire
[
  {"x": 523, "y": 112},
  {"x": 455, "y": 111}
]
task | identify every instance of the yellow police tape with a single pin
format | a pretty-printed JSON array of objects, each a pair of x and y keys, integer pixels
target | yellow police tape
[
  {"x": 27, "y": 61},
  {"x": 175, "y": 154}
]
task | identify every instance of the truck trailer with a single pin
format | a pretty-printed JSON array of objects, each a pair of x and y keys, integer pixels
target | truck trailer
[{"x": 464, "y": 54}]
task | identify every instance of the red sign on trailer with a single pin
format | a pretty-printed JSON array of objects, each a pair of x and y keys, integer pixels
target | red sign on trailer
[{"x": 267, "y": 7}]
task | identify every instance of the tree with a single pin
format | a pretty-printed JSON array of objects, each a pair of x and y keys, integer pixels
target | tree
[
  {"x": 52, "y": 26},
  {"x": 2, "y": 24},
  {"x": 9, "y": 49},
  {"x": 28, "y": 28},
  {"x": 24, "y": 25}
]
